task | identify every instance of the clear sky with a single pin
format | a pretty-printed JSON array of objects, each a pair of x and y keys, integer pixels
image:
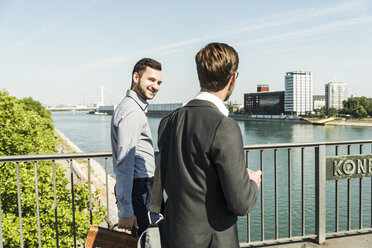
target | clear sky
[{"x": 63, "y": 51}]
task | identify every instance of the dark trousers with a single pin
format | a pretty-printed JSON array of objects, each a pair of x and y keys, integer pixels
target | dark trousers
[{"x": 141, "y": 195}]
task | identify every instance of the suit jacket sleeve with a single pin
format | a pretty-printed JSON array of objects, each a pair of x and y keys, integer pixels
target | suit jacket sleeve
[
  {"x": 161, "y": 166},
  {"x": 163, "y": 144},
  {"x": 227, "y": 155}
]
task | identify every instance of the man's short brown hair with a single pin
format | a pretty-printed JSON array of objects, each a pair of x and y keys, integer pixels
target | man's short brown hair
[
  {"x": 140, "y": 66},
  {"x": 216, "y": 63}
]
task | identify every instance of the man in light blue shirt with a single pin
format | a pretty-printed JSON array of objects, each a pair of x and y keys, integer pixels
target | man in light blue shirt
[{"x": 132, "y": 147}]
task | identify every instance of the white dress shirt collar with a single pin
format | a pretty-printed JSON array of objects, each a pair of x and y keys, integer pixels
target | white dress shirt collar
[{"x": 202, "y": 95}]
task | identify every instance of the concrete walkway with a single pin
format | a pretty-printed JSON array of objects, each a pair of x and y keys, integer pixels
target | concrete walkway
[{"x": 350, "y": 241}]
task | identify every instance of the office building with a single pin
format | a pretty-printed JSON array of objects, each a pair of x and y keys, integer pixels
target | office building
[
  {"x": 318, "y": 101},
  {"x": 264, "y": 102},
  {"x": 335, "y": 94},
  {"x": 298, "y": 94},
  {"x": 164, "y": 107}
]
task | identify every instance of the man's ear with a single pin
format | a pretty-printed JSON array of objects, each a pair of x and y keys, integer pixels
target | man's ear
[
  {"x": 232, "y": 82},
  {"x": 135, "y": 80}
]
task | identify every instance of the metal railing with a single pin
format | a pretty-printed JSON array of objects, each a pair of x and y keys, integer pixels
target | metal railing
[
  {"x": 53, "y": 157},
  {"x": 312, "y": 158},
  {"x": 280, "y": 165}
]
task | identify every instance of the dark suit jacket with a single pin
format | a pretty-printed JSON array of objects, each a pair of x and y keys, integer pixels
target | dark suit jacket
[{"x": 201, "y": 153}]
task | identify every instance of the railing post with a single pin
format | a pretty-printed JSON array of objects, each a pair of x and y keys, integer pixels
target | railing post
[
  {"x": 107, "y": 194},
  {"x": 303, "y": 231},
  {"x": 262, "y": 197},
  {"x": 90, "y": 194},
  {"x": 320, "y": 193},
  {"x": 248, "y": 215},
  {"x": 276, "y": 193},
  {"x": 1, "y": 227},
  {"x": 73, "y": 203},
  {"x": 55, "y": 204},
  {"x": 37, "y": 205},
  {"x": 19, "y": 206},
  {"x": 289, "y": 193}
]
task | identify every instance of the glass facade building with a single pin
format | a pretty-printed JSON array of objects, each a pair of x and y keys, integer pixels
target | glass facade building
[
  {"x": 266, "y": 103},
  {"x": 298, "y": 97},
  {"x": 336, "y": 93}
]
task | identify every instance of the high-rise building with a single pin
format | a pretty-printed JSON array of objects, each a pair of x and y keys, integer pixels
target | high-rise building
[
  {"x": 298, "y": 94},
  {"x": 335, "y": 94}
]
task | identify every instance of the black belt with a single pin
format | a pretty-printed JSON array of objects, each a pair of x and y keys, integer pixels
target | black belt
[{"x": 144, "y": 179}]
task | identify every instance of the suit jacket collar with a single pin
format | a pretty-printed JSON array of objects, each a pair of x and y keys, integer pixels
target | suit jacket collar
[
  {"x": 203, "y": 95},
  {"x": 202, "y": 103}
]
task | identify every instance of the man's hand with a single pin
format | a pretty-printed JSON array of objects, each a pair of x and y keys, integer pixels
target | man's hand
[
  {"x": 255, "y": 176},
  {"x": 128, "y": 223}
]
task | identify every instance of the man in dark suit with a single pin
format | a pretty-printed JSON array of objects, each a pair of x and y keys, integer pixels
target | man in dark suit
[{"x": 202, "y": 160}]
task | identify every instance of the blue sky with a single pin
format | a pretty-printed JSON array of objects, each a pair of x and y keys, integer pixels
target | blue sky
[{"x": 61, "y": 51}]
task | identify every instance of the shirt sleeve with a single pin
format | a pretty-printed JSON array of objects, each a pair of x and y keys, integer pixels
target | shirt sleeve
[{"x": 128, "y": 132}]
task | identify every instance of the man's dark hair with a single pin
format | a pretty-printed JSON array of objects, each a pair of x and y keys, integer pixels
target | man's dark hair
[
  {"x": 140, "y": 66},
  {"x": 216, "y": 63}
]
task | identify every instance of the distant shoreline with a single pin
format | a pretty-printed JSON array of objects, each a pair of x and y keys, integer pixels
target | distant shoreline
[
  {"x": 356, "y": 123},
  {"x": 98, "y": 174},
  {"x": 275, "y": 118}
]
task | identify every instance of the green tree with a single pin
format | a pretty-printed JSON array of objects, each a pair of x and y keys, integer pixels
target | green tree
[
  {"x": 30, "y": 104},
  {"x": 23, "y": 131},
  {"x": 26, "y": 128},
  {"x": 368, "y": 106},
  {"x": 230, "y": 106},
  {"x": 320, "y": 112},
  {"x": 331, "y": 112},
  {"x": 358, "y": 107},
  {"x": 360, "y": 112}
]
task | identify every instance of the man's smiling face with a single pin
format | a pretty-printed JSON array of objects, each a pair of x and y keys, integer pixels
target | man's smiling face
[{"x": 148, "y": 84}]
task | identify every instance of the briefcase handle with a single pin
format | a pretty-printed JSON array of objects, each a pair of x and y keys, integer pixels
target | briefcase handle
[
  {"x": 158, "y": 214},
  {"x": 111, "y": 227}
]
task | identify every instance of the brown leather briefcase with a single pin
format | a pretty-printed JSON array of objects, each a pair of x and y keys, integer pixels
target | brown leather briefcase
[{"x": 100, "y": 237}]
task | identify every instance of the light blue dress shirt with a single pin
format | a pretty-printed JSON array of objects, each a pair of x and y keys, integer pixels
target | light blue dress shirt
[{"x": 132, "y": 149}]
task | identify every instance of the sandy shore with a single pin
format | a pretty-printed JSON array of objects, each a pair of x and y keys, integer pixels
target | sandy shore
[
  {"x": 359, "y": 123},
  {"x": 98, "y": 175}
]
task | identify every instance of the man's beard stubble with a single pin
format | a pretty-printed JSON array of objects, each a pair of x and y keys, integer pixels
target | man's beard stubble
[{"x": 140, "y": 91}]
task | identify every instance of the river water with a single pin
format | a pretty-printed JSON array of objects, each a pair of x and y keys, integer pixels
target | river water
[{"x": 92, "y": 134}]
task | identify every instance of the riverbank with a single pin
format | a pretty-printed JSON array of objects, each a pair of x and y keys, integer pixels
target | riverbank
[
  {"x": 277, "y": 118},
  {"x": 360, "y": 123},
  {"x": 97, "y": 177},
  {"x": 340, "y": 122}
]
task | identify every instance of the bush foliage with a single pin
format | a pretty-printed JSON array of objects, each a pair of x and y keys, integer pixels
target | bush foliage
[
  {"x": 358, "y": 107},
  {"x": 26, "y": 127}
]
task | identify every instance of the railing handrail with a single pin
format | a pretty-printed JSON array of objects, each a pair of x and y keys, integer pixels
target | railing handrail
[
  {"x": 305, "y": 144},
  {"x": 54, "y": 156}
]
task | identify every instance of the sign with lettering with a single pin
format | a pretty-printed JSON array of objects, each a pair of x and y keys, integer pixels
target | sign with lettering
[{"x": 350, "y": 166}]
